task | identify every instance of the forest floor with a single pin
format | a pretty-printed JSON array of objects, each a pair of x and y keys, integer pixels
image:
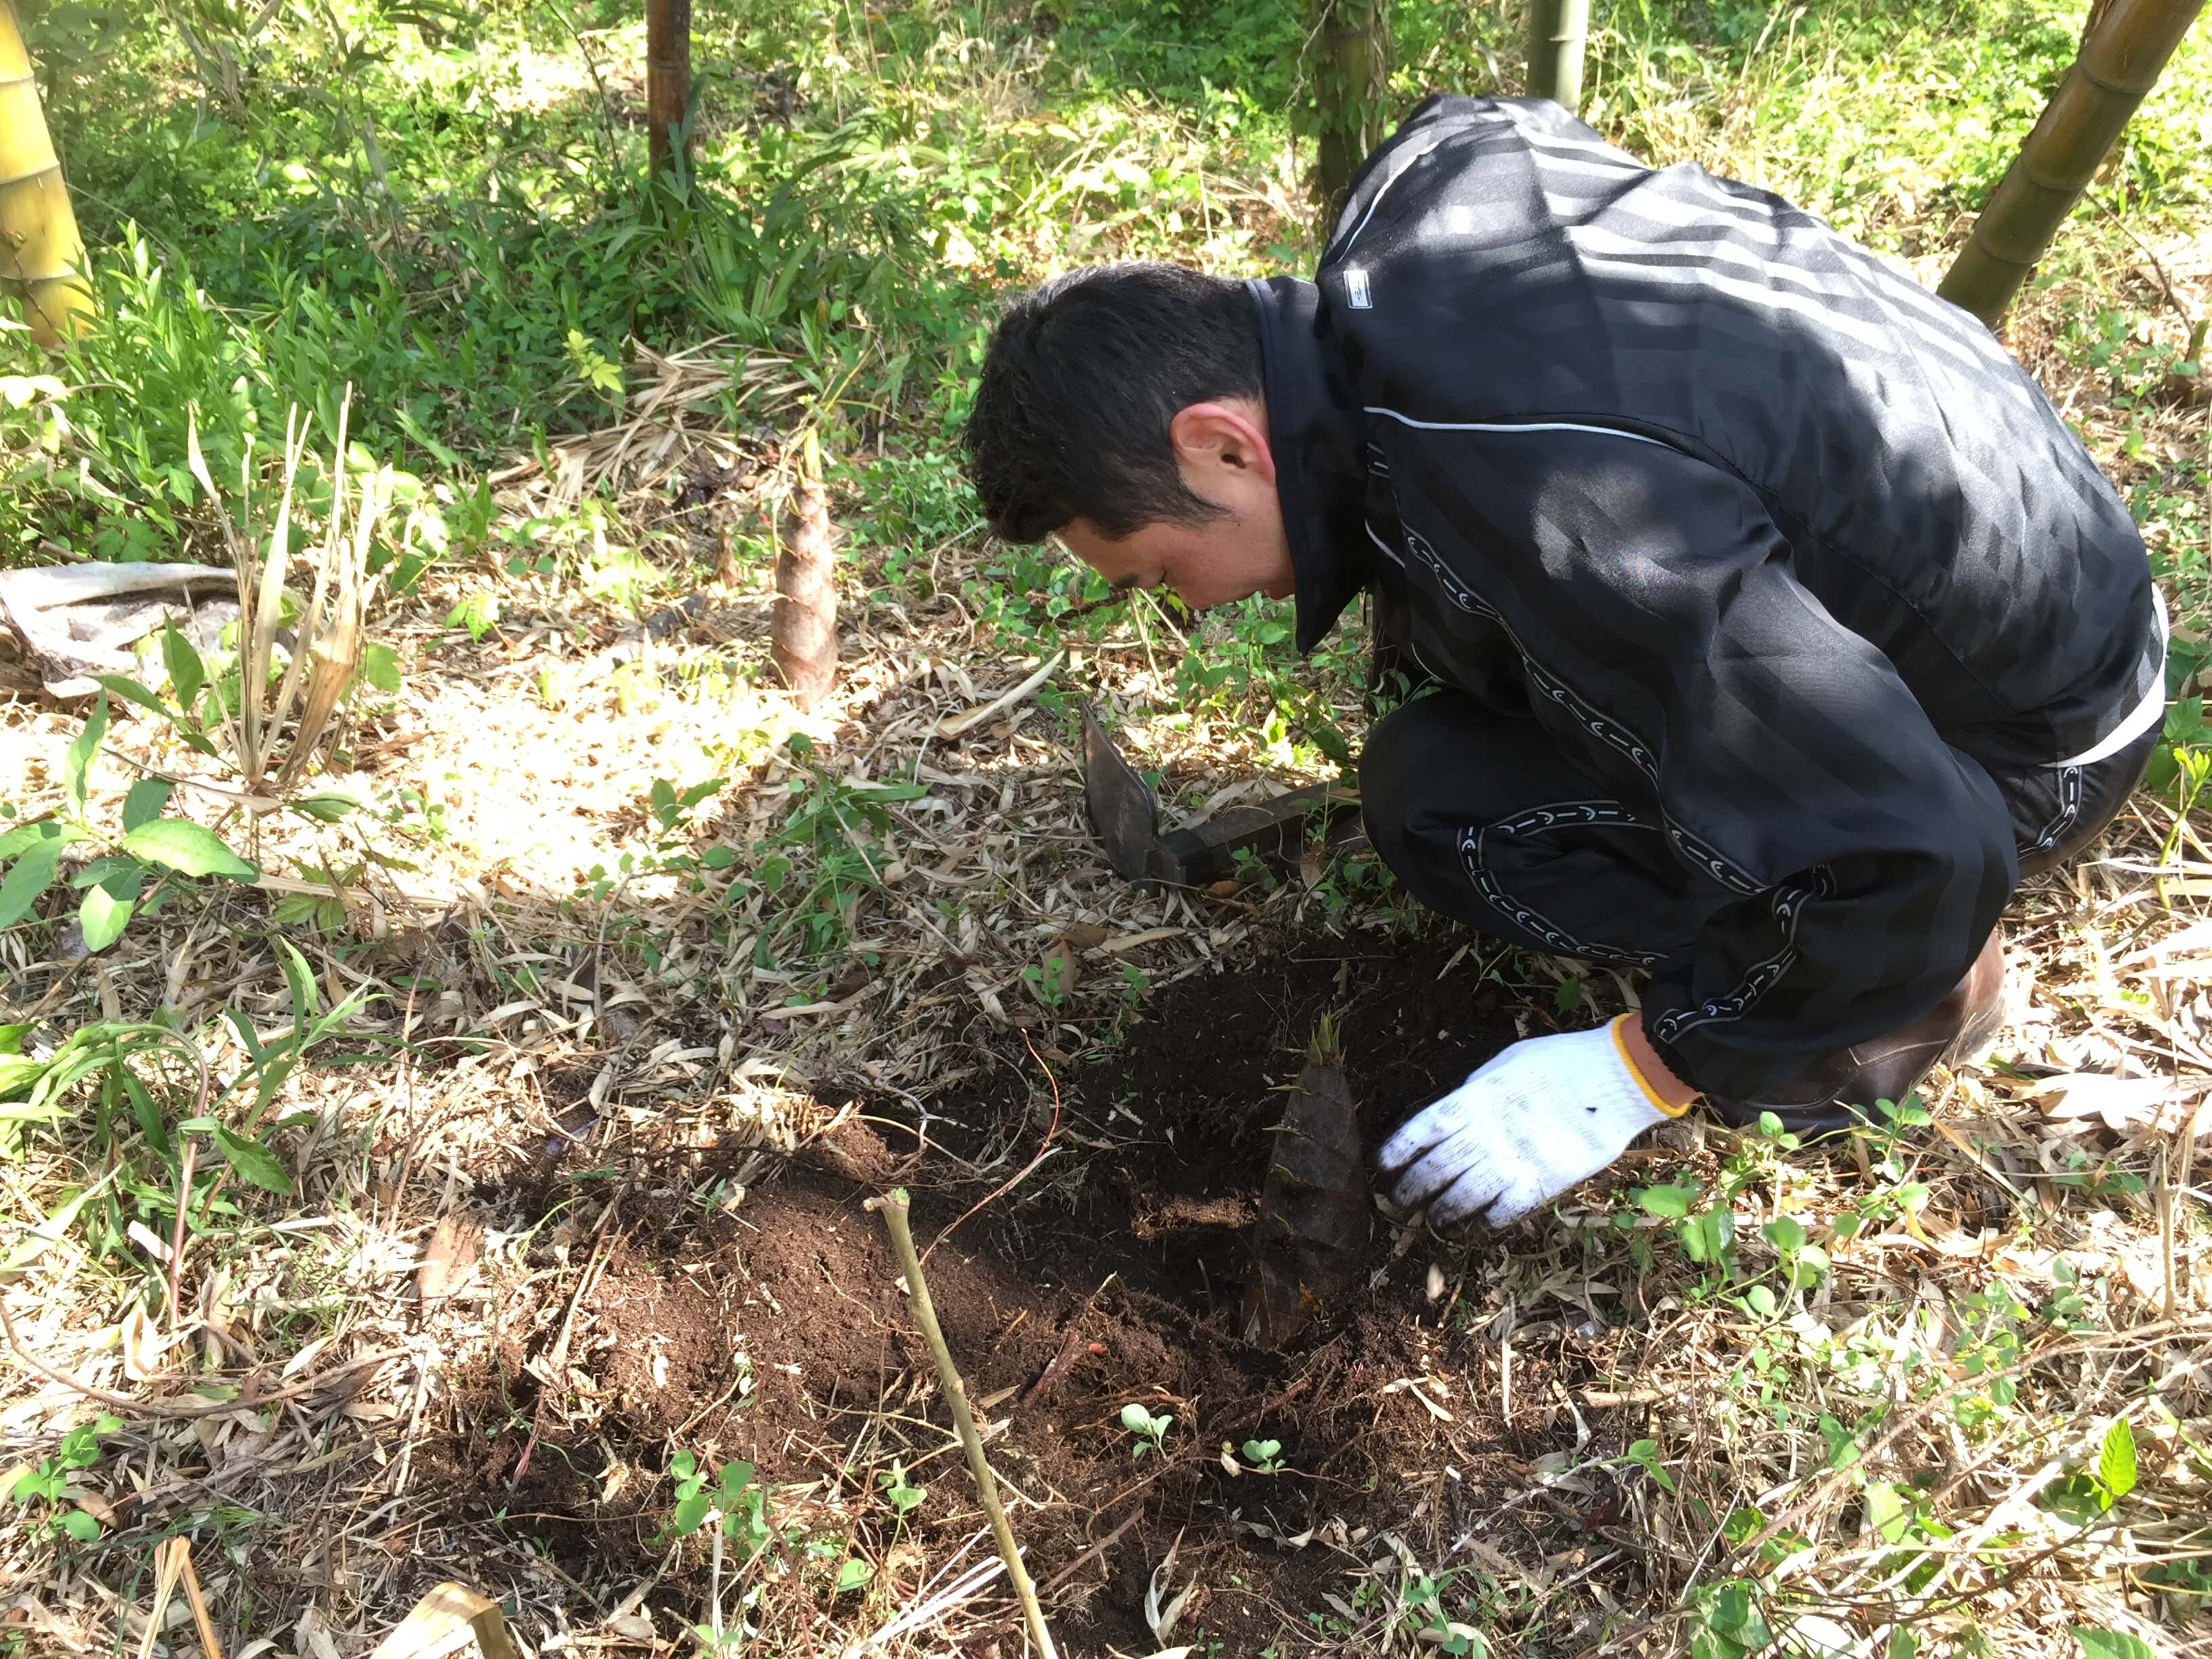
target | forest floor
[{"x": 634, "y": 982}]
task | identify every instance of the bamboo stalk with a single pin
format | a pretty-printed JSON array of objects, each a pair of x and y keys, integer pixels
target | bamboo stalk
[
  {"x": 1557, "y": 30},
  {"x": 41, "y": 255},
  {"x": 1348, "y": 48},
  {"x": 667, "y": 77},
  {"x": 894, "y": 1207},
  {"x": 2123, "y": 48},
  {"x": 803, "y": 631}
]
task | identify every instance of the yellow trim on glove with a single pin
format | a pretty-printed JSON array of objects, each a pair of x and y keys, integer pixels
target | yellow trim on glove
[{"x": 1650, "y": 1094}]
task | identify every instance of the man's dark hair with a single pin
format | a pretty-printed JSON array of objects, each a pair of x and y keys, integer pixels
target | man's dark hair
[{"x": 1082, "y": 379}]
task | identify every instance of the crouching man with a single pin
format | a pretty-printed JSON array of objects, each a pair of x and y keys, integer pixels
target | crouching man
[{"x": 1772, "y": 624}]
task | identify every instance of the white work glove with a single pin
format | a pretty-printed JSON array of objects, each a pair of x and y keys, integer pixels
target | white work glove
[{"x": 1544, "y": 1114}]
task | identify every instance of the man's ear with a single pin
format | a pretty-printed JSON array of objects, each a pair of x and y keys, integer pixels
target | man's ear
[{"x": 1229, "y": 436}]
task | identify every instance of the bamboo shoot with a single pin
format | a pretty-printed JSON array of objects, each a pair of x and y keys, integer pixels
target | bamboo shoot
[{"x": 802, "y": 633}]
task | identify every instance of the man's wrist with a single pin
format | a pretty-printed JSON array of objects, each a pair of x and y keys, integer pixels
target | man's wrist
[{"x": 1667, "y": 1092}]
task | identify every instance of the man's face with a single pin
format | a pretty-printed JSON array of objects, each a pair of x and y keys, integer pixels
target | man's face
[{"x": 1222, "y": 448}]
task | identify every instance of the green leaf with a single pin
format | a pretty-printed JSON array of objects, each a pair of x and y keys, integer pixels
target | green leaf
[
  {"x": 691, "y": 1513},
  {"x": 298, "y": 980},
  {"x": 145, "y": 801},
  {"x": 1644, "y": 1454},
  {"x": 1888, "y": 1509},
  {"x": 11, "y": 1037},
  {"x": 379, "y": 667},
  {"x": 1903, "y": 1644},
  {"x": 193, "y": 848},
  {"x": 1761, "y": 1298},
  {"x": 2116, "y": 1463},
  {"x": 2111, "y": 1645},
  {"x": 186, "y": 672},
  {"x": 28, "y": 878},
  {"x": 734, "y": 1478},
  {"x": 852, "y": 1575},
  {"x": 328, "y": 806},
  {"x": 1664, "y": 1200},
  {"x": 103, "y": 914},
  {"x": 1786, "y": 1233},
  {"x": 26, "y": 836},
  {"x": 76, "y": 766},
  {"x": 254, "y": 1161},
  {"x": 130, "y": 691},
  {"x": 105, "y": 868},
  {"x": 81, "y": 1526},
  {"x": 1842, "y": 1445}
]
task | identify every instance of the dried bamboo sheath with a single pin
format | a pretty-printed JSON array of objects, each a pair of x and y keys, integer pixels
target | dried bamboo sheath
[
  {"x": 40, "y": 253},
  {"x": 2126, "y": 45}
]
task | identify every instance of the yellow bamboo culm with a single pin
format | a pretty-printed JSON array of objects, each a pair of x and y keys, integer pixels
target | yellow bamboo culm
[{"x": 41, "y": 257}]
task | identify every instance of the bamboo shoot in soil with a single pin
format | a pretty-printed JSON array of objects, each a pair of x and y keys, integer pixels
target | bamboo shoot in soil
[
  {"x": 803, "y": 637},
  {"x": 2123, "y": 47},
  {"x": 1310, "y": 1242},
  {"x": 41, "y": 258}
]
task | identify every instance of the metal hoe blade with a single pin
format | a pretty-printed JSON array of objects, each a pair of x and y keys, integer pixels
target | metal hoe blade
[
  {"x": 1122, "y": 811},
  {"x": 1128, "y": 822}
]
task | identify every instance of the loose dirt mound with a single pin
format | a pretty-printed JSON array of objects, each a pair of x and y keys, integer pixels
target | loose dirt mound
[{"x": 775, "y": 1332}]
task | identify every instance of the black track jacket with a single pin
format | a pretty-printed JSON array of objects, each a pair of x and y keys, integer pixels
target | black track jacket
[{"x": 1759, "y": 530}]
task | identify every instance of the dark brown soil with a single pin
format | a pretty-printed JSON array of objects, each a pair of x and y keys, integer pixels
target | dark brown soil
[{"x": 776, "y": 1332}]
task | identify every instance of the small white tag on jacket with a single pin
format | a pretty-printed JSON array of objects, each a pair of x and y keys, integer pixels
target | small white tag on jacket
[{"x": 1355, "y": 289}]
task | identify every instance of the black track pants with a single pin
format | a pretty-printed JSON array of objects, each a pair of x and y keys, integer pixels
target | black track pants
[{"x": 1490, "y": 821}]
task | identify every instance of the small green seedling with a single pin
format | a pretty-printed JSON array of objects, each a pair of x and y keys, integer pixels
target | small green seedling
[
  {"x": 735, "y": 1500},
  {"x": 1644, "y": 1454},
  {"x": 1264, "y": 1456},
  {"x": 902, "y": 1495},
  {"x": 49, "y": 1482},
  {"x": 1151, "y": 1431}
]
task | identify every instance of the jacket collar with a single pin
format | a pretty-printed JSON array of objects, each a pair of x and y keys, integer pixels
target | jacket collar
[{"x": 1320, "y": 478}]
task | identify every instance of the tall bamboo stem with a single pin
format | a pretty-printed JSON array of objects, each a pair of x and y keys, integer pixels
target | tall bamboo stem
[
  {"x": 2126, "y": 43},
  {"x": 667, "y": 77},
  {"x": 1348, "y": 58},
  {"x": 41, "y": 256},
  {"x": 1557, "y": 30}
]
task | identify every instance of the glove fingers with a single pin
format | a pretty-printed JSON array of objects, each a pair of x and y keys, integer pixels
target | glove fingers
[
  {"x": 1428, "y": 1128},
  {"x": 1470, "y": 1195},
  {"x": 1465, "y": 1153},
  {"x": 1517, "y": 1201}
]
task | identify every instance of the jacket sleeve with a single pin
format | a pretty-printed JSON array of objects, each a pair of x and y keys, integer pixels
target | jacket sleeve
[{"x": 1857, "y": 861}]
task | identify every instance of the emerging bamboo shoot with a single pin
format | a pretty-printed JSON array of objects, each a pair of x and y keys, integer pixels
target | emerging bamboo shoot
[
  {"x": 2125, "y": 45},
  {"x": 1311, "y": 1241},
  {"x": 803, "y": 636},
  {"x": 41, "y": 257}
]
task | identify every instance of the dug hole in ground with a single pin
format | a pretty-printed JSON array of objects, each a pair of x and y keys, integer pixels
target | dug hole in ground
[{"x": 1114, "y": 1274}]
